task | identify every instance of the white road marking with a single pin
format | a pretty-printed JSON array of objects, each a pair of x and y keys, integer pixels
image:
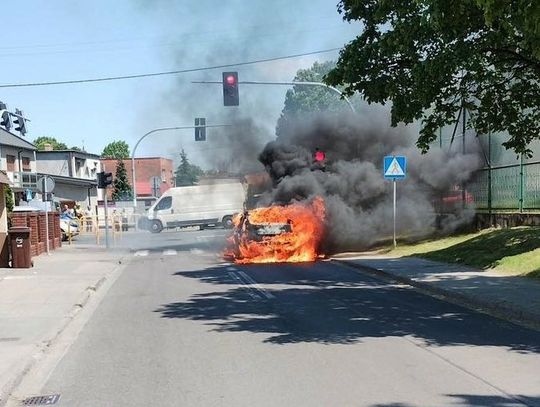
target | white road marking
[
  {"x": 235, "y": 277},
  {"x": 255, "y": 285},
  {"x": 170, "y": 252},
  {"x": 142, "y": 253},
  {"x": 231, "y": 269},
  {"x": 196, "y": 251}
]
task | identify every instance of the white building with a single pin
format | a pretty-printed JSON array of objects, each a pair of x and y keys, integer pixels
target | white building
[
  {"x": 18, "y": 161},
  {"x": 74, "y": 173}
]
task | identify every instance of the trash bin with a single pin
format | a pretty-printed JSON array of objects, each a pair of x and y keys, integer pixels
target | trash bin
[{"x": 19, "y": 241}]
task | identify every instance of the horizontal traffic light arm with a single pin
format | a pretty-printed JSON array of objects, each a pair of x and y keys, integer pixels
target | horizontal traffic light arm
[{"x": 293, "y": 83}]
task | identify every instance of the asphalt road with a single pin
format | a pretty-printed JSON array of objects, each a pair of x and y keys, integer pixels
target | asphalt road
[{"x": 182, "y": 328}]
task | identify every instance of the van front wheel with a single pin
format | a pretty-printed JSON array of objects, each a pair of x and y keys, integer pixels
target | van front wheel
[
  {"x": 156, "y": 226},
  {"x": 227, "y": 222}
]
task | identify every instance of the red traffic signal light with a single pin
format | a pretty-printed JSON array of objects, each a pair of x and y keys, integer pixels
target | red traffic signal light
[
  {"x": 319, "y": 155},
  {"x": 230, "y": 89}
]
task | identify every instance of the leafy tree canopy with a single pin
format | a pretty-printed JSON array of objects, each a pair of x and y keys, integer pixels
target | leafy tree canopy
[
  {"x": 304, "y": 100},
  {"x": 431, "y": 57},
  {"x": 121, "y": 189},
  {"x": 10, "y": 202},
  {"x": 40, "y": 143},
  {"x": 187, "y": 173},
  {"x": 116, "y": 149}
]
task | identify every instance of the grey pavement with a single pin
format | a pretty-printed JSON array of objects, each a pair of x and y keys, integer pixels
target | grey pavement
[
  {"x": 510, "y": 297},
  {"x": 37, "y": 303},
  {"x": 192, "y": 330}
]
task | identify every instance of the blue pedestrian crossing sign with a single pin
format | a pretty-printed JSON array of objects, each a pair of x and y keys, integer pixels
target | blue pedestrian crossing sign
[{"x": 395, "y": 167}]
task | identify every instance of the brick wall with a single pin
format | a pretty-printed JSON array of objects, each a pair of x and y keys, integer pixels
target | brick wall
[
  {"x": 57, "y": 232},
  {"x": 42, "y": 231},
  {"x": 18, "y": 219},
  {"x": 51, "y": 231},
  {"x": 36, "y": 222}
]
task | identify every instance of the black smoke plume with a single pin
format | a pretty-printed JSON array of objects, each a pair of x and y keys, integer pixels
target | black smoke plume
[{"x": 358, "y": 198}]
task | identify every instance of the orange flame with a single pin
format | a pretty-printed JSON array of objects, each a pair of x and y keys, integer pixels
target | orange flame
[{"x": 299, "y": 244}]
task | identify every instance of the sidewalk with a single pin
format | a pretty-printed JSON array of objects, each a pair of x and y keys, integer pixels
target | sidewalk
[
  {"x": 509, "y": 297},
  {"x": 36, "y": 304}
]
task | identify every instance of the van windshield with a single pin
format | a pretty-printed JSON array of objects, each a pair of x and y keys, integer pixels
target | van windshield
[{"x": 164, "y": 203}]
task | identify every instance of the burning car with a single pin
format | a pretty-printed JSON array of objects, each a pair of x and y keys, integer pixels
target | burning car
[{"x": 290, "y": 233}]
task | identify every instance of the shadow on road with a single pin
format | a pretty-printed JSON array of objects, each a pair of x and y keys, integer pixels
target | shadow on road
[
  {"x": 327, "y": 303},
  {"x": 474, "y": 400}
]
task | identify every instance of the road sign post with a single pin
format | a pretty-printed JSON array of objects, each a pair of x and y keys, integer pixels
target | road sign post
[
  {"x": 104, "y": 180},
  {"x": 155, "y": 183},
  {"x": 107, "y": 244},
  {"x": 395, "y": 167}
]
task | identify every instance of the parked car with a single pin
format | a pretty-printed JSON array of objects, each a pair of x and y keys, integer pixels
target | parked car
[{"x": 69, "y": 226}]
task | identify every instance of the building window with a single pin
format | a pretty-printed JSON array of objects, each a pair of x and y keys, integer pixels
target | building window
[
  {"x": 10, "y": 159},
  {"x": 26, "y": 164}
]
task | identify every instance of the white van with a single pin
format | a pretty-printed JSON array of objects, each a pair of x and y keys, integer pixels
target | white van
[{"x": 198, "y": 205}]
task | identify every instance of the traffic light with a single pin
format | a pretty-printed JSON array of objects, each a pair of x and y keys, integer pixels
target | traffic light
[
  {"x": 230, "y": 89},
  {"x": 319, "y": 156},
  {"x": 104, "y": 179},
  {"x": 319, "y": 160},
  {"x": 20, "y": 122},
  {"x": 6, "y": 120},
  {"x": 200, "y": 129}
]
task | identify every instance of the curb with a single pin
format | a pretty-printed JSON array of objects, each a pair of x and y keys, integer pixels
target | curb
[
  {"x": 498, "y": 310},
  {"x": 42, "y": 347}
]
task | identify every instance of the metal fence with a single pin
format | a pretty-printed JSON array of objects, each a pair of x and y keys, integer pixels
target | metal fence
[
  {"x": 514, "y": 187},
  {"x": 507, "y": 181}
]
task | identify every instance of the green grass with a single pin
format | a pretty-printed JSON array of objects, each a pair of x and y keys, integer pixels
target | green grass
[{"x": 510, "y": 251}]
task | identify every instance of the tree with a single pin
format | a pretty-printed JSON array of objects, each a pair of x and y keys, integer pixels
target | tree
[
  {"x": 431, "y": 58},
  {"x": 75, "y": 148},
  {"x": 302, "y": 101},
  {"x": 56, "y": 145},
  {"x": 187, "y": 173},
  {"x": 8, "y": 193},
  {"x": 121, "y": 189},
  {"x": 116, "y": 149}
]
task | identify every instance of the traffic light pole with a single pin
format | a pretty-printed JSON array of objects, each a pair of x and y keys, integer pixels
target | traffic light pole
[
  {"x": 146, "y": 135},
  {"x": 293, "y": 83},
  {"x": 107, "y": 244}
]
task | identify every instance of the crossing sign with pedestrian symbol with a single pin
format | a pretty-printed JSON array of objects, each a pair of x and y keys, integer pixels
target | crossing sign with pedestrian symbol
[{"x": 395, "y": 167}]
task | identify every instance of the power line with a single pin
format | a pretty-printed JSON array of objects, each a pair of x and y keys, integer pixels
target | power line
[{"x": 152, "y": 74}]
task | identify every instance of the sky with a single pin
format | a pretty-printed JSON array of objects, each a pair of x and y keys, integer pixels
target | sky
[{"x": 53, "y": 40}]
